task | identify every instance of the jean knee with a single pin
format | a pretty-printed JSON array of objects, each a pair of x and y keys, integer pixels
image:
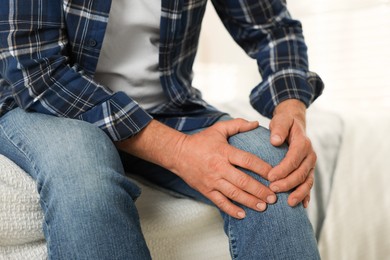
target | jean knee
[
  {"x": 257, "y": 142},
  {"x": 88, "y": 163},
  {"x": 49, "y": 138},
  {"x": 68, "y": 154}
]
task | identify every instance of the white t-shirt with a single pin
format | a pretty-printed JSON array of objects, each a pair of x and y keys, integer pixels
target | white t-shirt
[{"x": 129, "y": 57}]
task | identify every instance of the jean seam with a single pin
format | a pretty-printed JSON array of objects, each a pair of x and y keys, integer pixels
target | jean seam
[
  {"x": 232, "y": 240},
  {"x": 42, "y": 201}
]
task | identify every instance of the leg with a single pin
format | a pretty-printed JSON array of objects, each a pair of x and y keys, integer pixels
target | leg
[
  {"x": 281, "y": 232},
  {"x": 87, "y": 201}
]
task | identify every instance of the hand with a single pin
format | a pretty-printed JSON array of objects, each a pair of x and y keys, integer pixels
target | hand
[
  {"x": 207, "y": 163},
  {"x": 296, "y": 170}
]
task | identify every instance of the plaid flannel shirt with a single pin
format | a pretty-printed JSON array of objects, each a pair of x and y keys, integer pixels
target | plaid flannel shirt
[{"x": 49, "y": 51}]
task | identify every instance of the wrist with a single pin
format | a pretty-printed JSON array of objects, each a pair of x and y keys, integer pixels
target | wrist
[
  {"x": 156, "y": 143},
  {"x": 291, "y": 106}
]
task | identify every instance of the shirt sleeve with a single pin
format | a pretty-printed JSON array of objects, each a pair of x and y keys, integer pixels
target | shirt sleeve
[
  {"x": 35, "y": 62},
  {"x": 266, "y": 31}
]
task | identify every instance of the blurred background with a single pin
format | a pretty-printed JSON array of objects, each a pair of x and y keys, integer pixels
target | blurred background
[
  {"x": 349, "y": 47},
  {"x": 349, "y": 125}
]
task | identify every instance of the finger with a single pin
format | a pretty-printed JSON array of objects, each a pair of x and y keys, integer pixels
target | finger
[
  {"x": 235, "y": 126},
  {"x": 299, "y": 149},
  {"x": 280, "y": 128},
  {"x": 248, "y": 161},
  {"x": 225, "y": 205},
  {"x": 248, "y": 184},
  {"x": 301, "y": 191},
  {"x": 306, "y": 201},
  {"x": 238, "y": 195},
  {"x": 296, "y": 178}
]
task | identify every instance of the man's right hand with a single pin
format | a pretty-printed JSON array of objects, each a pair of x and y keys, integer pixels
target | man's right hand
[{"x": 207, "y": 162}]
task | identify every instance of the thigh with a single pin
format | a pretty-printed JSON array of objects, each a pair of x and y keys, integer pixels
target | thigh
[{"x": 68, "y": 153}]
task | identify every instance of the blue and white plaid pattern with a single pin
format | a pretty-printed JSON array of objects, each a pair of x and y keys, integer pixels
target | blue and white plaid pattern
[{"x": 49, "y": 52}]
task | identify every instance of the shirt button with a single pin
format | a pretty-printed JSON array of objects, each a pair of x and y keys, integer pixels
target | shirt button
[{"x": 92, "y": 42}]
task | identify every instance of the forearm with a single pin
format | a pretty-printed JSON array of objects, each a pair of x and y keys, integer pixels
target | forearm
[{"x": 156, "y": 143}]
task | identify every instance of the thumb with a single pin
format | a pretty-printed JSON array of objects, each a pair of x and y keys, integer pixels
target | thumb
[
  {"x": 280, "y": 128},
  {"x": 235, "y": 126}
]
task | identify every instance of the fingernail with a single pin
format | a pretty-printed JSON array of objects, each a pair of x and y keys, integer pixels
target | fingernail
[
  {"x": 276, "y": 139},
  {"x": 275, "y": 188},
  {"x": 271, "y": 199},
  {"x": 241, "y": 214},
  {"x": 261, "y": 206}
]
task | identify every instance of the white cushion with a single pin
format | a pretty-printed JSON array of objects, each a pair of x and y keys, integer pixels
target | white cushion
[{"x": 174, "y": 228}]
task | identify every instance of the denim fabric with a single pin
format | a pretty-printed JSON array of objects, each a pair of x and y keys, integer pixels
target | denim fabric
[
  {"x": 88, "y": 202},
  {"x": 281, "y": 232}
]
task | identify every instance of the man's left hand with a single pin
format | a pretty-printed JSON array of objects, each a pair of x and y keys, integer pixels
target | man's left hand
[{"x": 296, "y": 170}]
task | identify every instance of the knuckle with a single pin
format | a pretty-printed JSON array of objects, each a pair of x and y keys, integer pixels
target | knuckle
[
  {"x": 240, "y": 120},
  {"x": 260, "y": 192},
  {"x": 306, "y": 187},
  {"x": 221, "y": 203},
  {"x": 315, "y": 157},
  {"x": 310, "y": 180},
  {"x": 210, "y": 183},
  {"x": 224, "y": 205},
  {"x": 295, "y": 163},
  {"x": 233, "y": 194},
  {"x": 302, "y": 177},
  {"x": 310, "y": 184},
  {"x": 246, "y": 160},
  {"x": 242, "y": 181},
  {"x": 224, "y": 150},
  {"x": 307, "y": 142}
]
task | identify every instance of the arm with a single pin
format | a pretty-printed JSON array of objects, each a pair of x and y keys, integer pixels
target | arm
[
  {"x": 267, "y": 33},
  {"x": 265, "y": 30},
  {"x": 45, "y": 76},
  {"x": 207, "y": 163}
]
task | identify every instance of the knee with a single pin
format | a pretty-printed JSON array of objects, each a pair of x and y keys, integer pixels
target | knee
[
  {"x": 51, "y": 139},
  {"x": 78, "y": 159},
  {"x": 257, "y": 142},
  {"x": 82, "y": 140}
]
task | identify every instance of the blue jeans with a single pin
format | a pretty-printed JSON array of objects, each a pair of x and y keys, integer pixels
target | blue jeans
[{"x": 88, "y": 202}]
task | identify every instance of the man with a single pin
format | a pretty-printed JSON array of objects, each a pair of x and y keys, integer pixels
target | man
[{"x": 82, "y": 80}]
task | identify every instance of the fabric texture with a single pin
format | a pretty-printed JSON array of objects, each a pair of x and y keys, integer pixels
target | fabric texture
[
  {"x": 21, "y": 216},
  {"x": 168, "y": 223},
  {"x": 159, "y": 211},
  {"x": 90, "y": 199},
  {"x": 49, "y": 52}
]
